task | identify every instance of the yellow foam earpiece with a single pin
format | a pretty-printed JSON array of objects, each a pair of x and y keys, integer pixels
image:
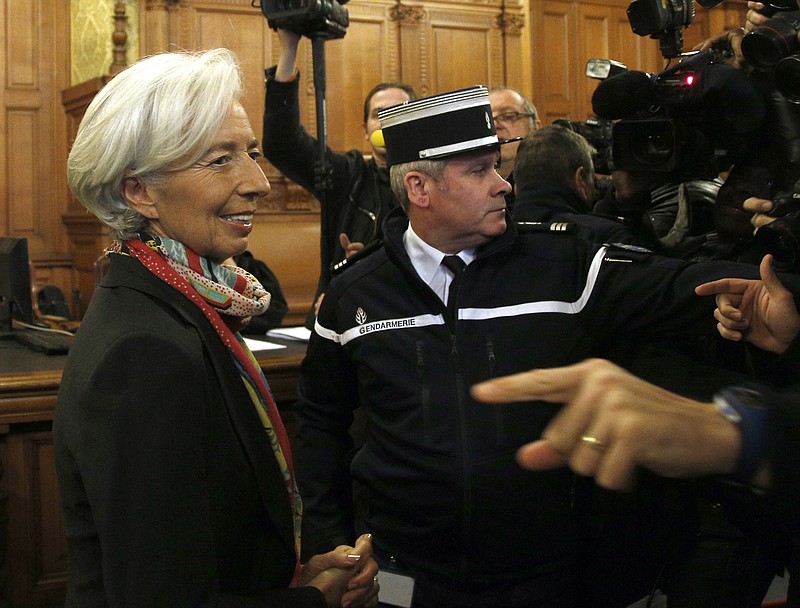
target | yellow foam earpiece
[{"x": 376, "y": 139}]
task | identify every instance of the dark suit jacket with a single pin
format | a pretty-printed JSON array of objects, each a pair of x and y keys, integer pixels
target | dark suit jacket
[{"x": 171, "y": 493}]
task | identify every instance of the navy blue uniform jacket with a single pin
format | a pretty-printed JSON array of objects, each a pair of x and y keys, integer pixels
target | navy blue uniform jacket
[{"x": 446, "y": 495}]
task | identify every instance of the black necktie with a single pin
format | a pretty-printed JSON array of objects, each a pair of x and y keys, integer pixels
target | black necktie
[{"x": 455, "y": 265}]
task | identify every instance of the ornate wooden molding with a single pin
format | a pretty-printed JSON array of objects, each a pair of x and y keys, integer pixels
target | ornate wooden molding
[
  {"x": 407, "y": 15},
  {"x": 120, "y": 39},
  {"x": 155, "y": 4},
  {"x": 511, "y": 24}
]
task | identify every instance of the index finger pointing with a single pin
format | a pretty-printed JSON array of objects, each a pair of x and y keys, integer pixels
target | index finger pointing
[{"x": 556, "y": 385}]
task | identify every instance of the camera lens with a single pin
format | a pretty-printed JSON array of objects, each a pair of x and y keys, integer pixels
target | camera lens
[
  {"x": 654, "y": 146},
  {"x": 765, "y": 46},
  {"x": 787, "y": 78},
  {"x": 781, "y": 238},
  {"x": 644, "y": 145}
]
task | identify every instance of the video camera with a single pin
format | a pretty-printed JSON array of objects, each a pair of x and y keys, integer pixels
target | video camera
[
  {"x": 662, "y": 19},
  {"x": 689, "y": 120},
  {"x": 326, "y": 19},
  {"x": 597, "y": 132}
]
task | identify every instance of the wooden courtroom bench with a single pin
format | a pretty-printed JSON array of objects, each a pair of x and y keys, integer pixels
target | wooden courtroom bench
[{"x": 289, "y": 245}]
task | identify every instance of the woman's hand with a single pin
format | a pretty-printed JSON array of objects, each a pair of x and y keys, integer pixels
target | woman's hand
[{"x": 346, "y": 575}]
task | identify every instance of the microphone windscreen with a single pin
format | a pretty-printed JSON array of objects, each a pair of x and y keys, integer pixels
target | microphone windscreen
[{"x": 623, "y": 95}]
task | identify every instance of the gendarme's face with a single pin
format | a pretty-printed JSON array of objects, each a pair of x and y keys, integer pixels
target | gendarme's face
[
  {"x": 209, "y": 206},
  {"x": 468, "y": 204}
]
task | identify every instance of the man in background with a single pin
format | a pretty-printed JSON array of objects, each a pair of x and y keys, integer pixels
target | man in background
[
  {"x": 514, "y": 116},
  {"x": 356, "y": 196},
  {"x": 554, "y": 175}
]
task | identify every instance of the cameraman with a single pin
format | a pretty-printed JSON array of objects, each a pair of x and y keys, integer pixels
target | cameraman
[
  {"x": 667, "y": 214},
  {"x": 555, "y": 182},
  {"x": 762, "y": 190},
  {"x": 358, "y": 194}
]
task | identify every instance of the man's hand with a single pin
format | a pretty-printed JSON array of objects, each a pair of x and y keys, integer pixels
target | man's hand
[
  {"x": 318, "y": 303},
  {"x": 759, "y": 207},
  {"x": 349, "y": 247},
  {"x": 730, "y": 41},
  {"x": 761, "y": 312},
  {"x": 286, "y": 69},
  {"x": 614, "y": 422},
  {"x": 754, "y": 17}
]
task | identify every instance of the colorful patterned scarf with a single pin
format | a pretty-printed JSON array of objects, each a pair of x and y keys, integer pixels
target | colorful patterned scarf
[{"x": 228, "y": 294}]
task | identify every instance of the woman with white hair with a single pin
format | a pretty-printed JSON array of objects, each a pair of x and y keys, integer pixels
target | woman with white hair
[{"x": 175, "y": 470}]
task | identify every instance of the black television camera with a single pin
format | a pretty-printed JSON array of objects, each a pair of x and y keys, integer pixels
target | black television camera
[
  {"x": 326, "y": 19},
  {"x": 597, "y": 132},
  {"x": 690, "y": 120},
  {"x": 662, "y": 19}
]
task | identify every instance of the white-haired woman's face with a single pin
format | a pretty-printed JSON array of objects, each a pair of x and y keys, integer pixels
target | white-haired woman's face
[{"x": 209, "y": 206}]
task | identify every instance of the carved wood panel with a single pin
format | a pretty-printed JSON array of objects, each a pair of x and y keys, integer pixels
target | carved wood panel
[
  {"x": 35, "y": 51},
  {"x": 35, "y": 525}
]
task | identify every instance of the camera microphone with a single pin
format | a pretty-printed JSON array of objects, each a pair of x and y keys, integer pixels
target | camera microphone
[{"x": 623, "y": 95}]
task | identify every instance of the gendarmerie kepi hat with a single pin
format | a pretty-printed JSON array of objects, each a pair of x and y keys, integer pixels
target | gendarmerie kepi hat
[{"x": 439, "y": 126}]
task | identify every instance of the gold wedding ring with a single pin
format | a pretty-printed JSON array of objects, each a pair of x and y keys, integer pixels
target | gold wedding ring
[{"x": 593, "y": 442}]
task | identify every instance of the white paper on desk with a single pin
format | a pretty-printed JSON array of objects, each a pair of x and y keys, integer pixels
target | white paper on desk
[
  {"x": 290, "y": 333},
  {"x": 259, "y": 345}
]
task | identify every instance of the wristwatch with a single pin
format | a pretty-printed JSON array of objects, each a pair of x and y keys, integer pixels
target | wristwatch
[{"x": 748, "y": 409}]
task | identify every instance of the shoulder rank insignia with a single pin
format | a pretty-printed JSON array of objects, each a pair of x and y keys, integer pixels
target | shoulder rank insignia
[
  {"x": 340, "y": 266},
  {"x": 546, "y": 227}
]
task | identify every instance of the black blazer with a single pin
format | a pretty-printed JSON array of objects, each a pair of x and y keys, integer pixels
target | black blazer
[{"x": 171, "y": 493}]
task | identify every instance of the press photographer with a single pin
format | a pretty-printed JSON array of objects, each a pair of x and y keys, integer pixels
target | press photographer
[{"x": 761, "y": 189}]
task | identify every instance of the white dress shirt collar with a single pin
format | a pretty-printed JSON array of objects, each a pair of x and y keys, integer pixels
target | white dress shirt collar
[{"x": 427, "y": 261}]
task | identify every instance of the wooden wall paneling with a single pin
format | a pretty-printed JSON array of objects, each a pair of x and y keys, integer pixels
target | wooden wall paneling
[
  {"x": 154, "y": 26},
  {"x": 88, "y": 236},
  {"x": 4, "y": 202},
  {"x": 465, "y": 46},
  {"x": 596, "y": 26},
  {"x": 413, "y": 41},
  {"x": 516, "y": 56},
  {"x": 368, "y": 54},
  {"x": 36, "y": 66},
  {"x": 605, "y": 33},
  {"x": 726, "y": 16},
  {"x": 165, "y": 25},
  {"x": 553, "y": 27},
  {"x": 636, "y": 52},
  {"x": 236, "y": 26},
  {"x": 35, "y": 524}
]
